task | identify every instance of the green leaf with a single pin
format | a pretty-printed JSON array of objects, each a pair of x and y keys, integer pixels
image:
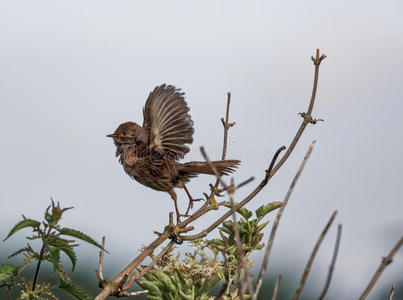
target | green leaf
[
  {"x": 227, "y": 224},
  {"x": 7, "y": 271},
  {"x": 71, "y": 254},
  {"x": 63, "y": 245},
  {"x": 246, "y": 213},
  {"x": 263, "y": 225},
  {"x": 73, "y": 290},
  {"x": 54, "y": 255},
  {"x": 151, "y": 286},
  {"x": 225, "y": 229},
  {"x": 265, "y": 209},
  {"x": 207, "y": 285},
  {"x": 216, "y": 242},
  {"x": 23, "y": 224},
  {"x": 180, "y": 282},
  {"x": 166, "y": 280},
  {"x": 79, "y": 235},
  {"x": 186, "y": 297}
]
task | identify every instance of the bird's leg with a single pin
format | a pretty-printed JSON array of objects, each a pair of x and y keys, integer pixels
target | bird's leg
[
  {"x": 191, "y": 200},
  {"x": 178, "y": 215}
]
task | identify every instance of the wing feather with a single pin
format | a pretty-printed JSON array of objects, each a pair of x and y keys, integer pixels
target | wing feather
[{"x": 167, "y": 121}]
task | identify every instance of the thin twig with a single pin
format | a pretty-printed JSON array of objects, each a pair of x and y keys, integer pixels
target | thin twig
[
  {"x": 238, "y": 242},
  {"x": 392, "y": 292},
  {"x": 307, "y": 116},
  {"x": 277, "y": 221},
  {"x": 385, "y": 261},
  {"x": 226, "y": 125},
  {"x": 238, "y": 186},
  {"x": 332, "y": 264},
  {"x": 134, "y": 278},
  {"x": 312, "y": 257},
  {"x": 276, "y": 288},
  {"x": 99, "y": 273}
]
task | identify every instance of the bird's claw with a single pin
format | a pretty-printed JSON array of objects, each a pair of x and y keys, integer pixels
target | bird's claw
[{"x": 190, "y": 206}]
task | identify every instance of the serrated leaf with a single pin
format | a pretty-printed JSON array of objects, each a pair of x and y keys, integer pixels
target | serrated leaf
[
  {"x": 23, "y": 224},
  {"x": 71, "y": 254},
  {"x": 54, "y": 255},
  {"x": 64, "y": 246},
  {"x": 79, "y": 235},
  {"x": 73, "y": 290},
  {"x": 7, "y": 271},
  {"x": 265, "y": 209}
]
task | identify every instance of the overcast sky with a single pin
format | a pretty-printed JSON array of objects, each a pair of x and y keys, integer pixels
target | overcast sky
[{"x": 72, "y": 71}]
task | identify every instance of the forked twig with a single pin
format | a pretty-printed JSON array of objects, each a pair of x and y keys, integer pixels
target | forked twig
[
  {"x": 385, "y": 261},
  {"x": 277, "y": 221},
  {"x": 332, "y": 264},
  {"x": 276, "y": 288},
  {"x": 312, "y": 257}
]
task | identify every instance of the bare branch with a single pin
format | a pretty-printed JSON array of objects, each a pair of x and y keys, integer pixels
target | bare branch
[
  {"x": 307, "y": 116},
  {"x": 273, "y": 161},
  {"x": 134, "y": 278},
  {"x": 385, "y": 261},
  {"x": 276, "y": 288},
  {"x": 226, "y": 126},
  {"x": 137, "y": 293},
  {"x": 331, "y": 268},
  {"x": 310, "y": 261},
  {"x": 392, "y": 292},
  {"x": 277, "y": 220},
  {"x": 238, "y": 186}
]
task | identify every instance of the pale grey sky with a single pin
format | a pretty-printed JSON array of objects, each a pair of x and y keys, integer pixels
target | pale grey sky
[{"x": 72, "y": 71}]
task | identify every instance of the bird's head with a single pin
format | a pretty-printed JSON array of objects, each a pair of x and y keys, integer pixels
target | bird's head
[{"x": 128, "y": 134}]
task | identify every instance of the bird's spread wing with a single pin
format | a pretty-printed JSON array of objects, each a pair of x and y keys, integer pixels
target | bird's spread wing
[{"x": 167, "y": 122}]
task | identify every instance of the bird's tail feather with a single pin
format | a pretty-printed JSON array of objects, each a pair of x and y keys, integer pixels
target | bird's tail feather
[{"x": 223, "y": 167}]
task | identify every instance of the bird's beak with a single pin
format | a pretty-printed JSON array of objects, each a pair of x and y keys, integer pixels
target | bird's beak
[{"x": 111, "y": 135}]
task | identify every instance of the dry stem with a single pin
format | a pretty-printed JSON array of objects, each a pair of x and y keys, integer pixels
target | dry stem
[
  {"x": 385, "y": 261},
  {"x": 332, "y": 264},
  {"x": 392, "y": 292},
  {"x": 310, "y": 261},
  {"x": 276, "y": 288},
  {"x": 277, "y": 221}
]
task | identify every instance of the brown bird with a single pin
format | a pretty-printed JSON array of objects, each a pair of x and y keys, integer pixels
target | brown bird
[{"x": 149, "y": 153}]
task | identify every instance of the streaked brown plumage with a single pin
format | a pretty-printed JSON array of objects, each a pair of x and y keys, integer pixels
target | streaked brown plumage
[{"x": 149, "y": 153}]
